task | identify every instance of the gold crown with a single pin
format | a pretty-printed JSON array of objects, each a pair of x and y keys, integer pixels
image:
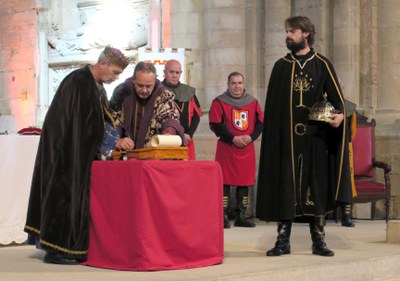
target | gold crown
[
  {"x": 322, "y": 111},
  {"x": 116, "y": 57}
]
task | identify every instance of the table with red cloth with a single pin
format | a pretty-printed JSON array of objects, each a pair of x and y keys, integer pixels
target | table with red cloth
[{"x": 155, "y": 215}]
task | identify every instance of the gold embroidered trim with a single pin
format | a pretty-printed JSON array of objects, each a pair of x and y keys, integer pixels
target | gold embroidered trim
[
  {"x": 344, "y": 122},
  {"x": 63, "y": 249},
  {"x": 32, "y": 229},
  {"x": 226, "y": 201},
  {"x": 135, "y": 124},
  {"x": 54, "y": 246},
  {"x": 308, "y": 196},
  {"x": 104, "y": 110},
  {"x": 180, "y": 108},
  {"x": 291, "y": 131},
  {"x": 245, "y": 201},
  {"x": 298, "y": 62},
  {"x": 285, "y": 59}
]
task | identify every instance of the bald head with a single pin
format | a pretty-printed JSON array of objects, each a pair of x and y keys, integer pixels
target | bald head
[
  {"x": 172, "y": 72},
  {"x": 172, "y": 63}
]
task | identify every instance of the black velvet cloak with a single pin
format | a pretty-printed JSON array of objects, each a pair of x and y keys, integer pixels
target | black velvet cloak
[
  {"x": 301, "y": 175},
  {"x": 58, "y": 211}
]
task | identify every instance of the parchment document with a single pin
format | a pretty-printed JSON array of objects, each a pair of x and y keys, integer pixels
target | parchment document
[{"x": 166, "y": 140}]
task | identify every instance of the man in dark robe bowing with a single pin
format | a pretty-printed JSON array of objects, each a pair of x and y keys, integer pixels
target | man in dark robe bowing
[
  {"x": 304, "y": 164},
  {"x": 73, "y": 129},
  {"x": 146, "y": 107}
]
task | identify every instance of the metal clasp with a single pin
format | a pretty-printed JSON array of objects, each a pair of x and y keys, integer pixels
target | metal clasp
[{"x": 300, "y": 129}]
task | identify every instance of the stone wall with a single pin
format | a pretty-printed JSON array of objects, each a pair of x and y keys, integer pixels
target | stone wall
[{"x": 18, "y": 64}]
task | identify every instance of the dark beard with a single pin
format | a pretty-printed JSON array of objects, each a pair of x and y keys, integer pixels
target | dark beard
[{"x": 295, "y": 46}]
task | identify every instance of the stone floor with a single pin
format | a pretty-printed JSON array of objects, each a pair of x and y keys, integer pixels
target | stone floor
[{"x": 361, "y": 253}]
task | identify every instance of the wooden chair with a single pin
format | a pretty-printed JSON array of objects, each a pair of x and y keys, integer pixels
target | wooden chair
[{"x": 365, "y": 168}]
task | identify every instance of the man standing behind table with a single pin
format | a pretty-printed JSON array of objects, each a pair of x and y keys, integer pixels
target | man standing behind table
[
  {"x": 186, "y": 101},
  {"x": 236, "y": 118},
  {"x": 73, "y": 129},
  {"x": 146, "y": 107},
  {"x": 304, "y": 165}
]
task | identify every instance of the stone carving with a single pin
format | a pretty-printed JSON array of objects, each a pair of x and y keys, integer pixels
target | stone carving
[
  {"x": 119, "y": 23},
  {"x": 77, "y": 31},
  {"x": 56, "y": 75}
]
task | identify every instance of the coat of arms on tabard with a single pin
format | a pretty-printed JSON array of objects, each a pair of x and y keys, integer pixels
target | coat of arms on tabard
[{"x": 240, "y": 119}]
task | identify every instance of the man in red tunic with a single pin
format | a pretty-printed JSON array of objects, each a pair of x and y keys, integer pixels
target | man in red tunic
[
  {"x": 186, "y": 101},
  {"x": 236, "y": 118}
]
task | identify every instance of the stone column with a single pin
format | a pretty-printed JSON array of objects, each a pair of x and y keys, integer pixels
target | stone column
[
  {"x": 18, "y": 65},
  {"x": 225, "y": 38},
  {"x": 224, "y": 52},
  {"x": 319, "y": 13},
  {"x": 255, "y": 49},
  {"x": 276, "y": 12},
  {"x": 346, "y": 46},
  {"x": 154, "y": 30},
  {"x": 187, "y": 31},
  {"x": 387, "y": 111},
  {"x": 368, "y": 56},
  {"x": 387, "y": 108}
]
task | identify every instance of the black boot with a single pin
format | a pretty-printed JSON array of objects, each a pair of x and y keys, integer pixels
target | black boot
[
  {"x": 318, "y": 238},
  {"x": 241, "y": 202},
  {"x": 227, "y": 194},
  {"x": 231, "y": 212},
  {"x": 55, "y": 257},
  {"x": 346, "y": 216},
  {"x": 282, "y": 244}
]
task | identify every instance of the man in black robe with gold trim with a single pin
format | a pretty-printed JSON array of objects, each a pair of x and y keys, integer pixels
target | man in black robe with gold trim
[
  {"x": 58, "y": 212},
  {"x": 304, "y": 165}
]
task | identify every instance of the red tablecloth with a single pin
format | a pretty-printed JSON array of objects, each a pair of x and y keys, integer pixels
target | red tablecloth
[{"x": 155, "y": 215}]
